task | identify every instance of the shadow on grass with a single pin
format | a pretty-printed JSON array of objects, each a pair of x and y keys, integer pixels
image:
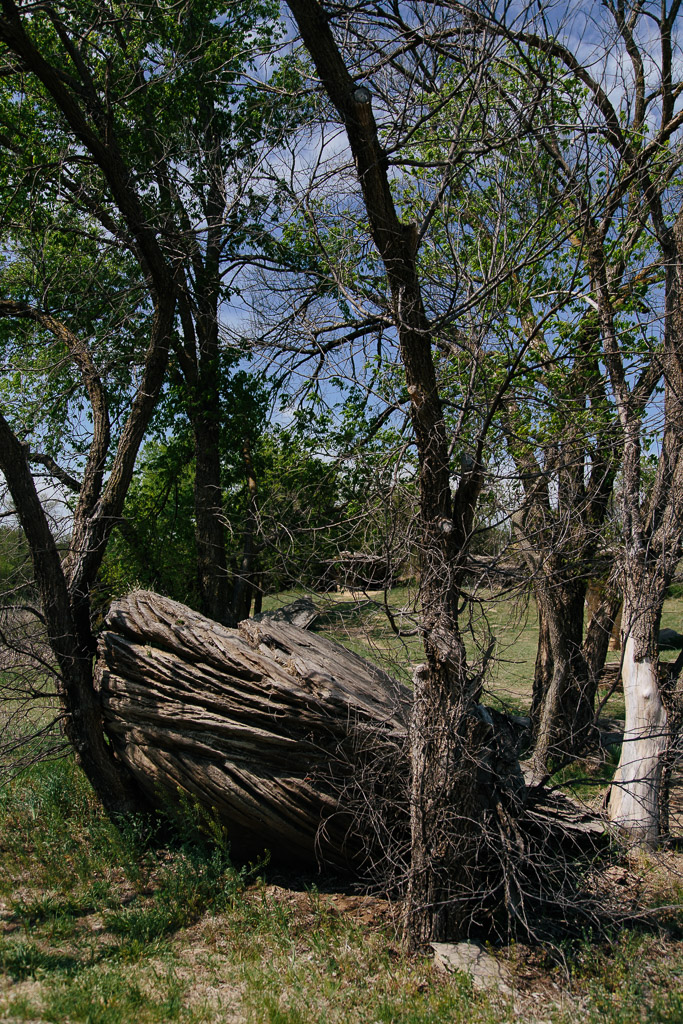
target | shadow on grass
[
  {"x": 21, "y": 960},
  {"x": 351, "y": 613}
]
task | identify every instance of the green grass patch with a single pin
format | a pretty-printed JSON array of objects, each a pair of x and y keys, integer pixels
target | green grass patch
[
  {"x": 148, "y": 920},
  {"x": 121, "y": 928},
  {"x": 107, "y": 997}
]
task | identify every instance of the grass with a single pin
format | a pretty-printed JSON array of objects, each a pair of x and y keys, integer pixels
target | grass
[
  {"x": 360, "y": 623},
  {"x": 106, "y": 923}
]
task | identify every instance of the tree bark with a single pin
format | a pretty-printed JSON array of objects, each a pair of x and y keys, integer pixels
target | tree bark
[
  {"x": 303, "y": 748},
  {"x": 634, "y": 801},
  {"x": 212, "y": 570},
  {"x": 563, "y": 705},
  {"x": 543, "y": 670},
  {"x": 565, "y": 713},
  {"x": 671, "y": 688},
  {"x": 653, "y": 532},
  {"x": 445, "y": 807},
  {"x": 600, "y": 630},
  {"x": 199, "y": 359},
  {"x": 243, "y": 587},
  {"x": 299, "y": 744},
  {"x": 83, "y": 721},
  {"x": 65, "y": 586}
]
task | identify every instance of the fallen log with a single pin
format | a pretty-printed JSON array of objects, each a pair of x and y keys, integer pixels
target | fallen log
[
  {"x": 300, "y": 745},
  {"x": 277, "y": 729}
]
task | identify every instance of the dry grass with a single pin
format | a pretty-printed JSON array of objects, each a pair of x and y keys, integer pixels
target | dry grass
[
  {"x": 104, "y": 926},
  {"x": 274, "y": 952}
]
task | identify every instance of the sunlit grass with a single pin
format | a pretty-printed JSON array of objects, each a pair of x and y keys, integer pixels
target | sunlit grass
[
  {"x": 110, "y": 923},
  {"x": 120, "y": 928},
  {"x": 358, "y": 621}
]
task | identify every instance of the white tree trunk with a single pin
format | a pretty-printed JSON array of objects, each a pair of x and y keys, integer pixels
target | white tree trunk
[{"x": 634, "y": 796}]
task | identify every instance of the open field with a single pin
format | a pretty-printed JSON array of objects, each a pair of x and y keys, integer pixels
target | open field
[
  {"x": 151, "y": 923},
  {"x": 358, "y": 621}
]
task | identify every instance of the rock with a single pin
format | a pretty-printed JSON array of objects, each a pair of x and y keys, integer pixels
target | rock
[
  {"x": 301, "y": 613},
  {"x": 670, "y": 640},
  {"x": 472, "y": 959}
]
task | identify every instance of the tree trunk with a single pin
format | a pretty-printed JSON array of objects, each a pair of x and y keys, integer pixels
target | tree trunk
[
  {"x": 671, "y": 685},
  {"x": 600, "y": 631},
  {"x": 200, "y": 363},
  {"x": 565, "y": 714},
  {"x": 243, "y": 587},
  {"x": 83, "y": 715},
  {"x": 444, "y": 765},
  {"x": 635, "y": 793},
  {"x": 543, "y": 670},
  {"x": 299, "y": 744},
  {"x": 212, "y": 571},
  {"x": 448, "y": 797},
  {"x": 302, "y": 747}
]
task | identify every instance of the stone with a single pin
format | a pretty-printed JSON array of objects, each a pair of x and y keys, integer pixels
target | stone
[
  {"x": 472, "y": 959},
  {"x": 301, "y": 613},
  {"x": 670, "y": 640}
]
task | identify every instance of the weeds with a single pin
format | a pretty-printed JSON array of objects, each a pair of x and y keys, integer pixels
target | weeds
[
  {"x": 105, "y": 924},
  {"x": 24, "y": 959},
  {"x": 629, "y": 978},
  {"x": 85, "y": 899},
  {"x": 185, "y": 888},
  {"x": 53, "y": 832}
]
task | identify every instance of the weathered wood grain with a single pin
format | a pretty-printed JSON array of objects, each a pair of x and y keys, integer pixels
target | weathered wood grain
[
  {"x": 299, "y": 745},
  {"x": 271, "y": 725}
]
